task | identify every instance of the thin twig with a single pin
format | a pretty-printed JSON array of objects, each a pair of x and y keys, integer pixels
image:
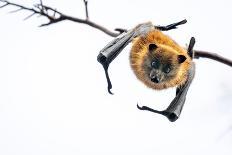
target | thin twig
[
  {"x": 54, "y": 14},
  {"x": 41, "y": 2},
  {"x": 3, "y": 5},
  {"x": 17, "y": 10},
  {"x": 42, "y": 10},
  {"x": 29, "y": 16},
  {"x": 17, "y": 5},
  {"x": 86, "y": 9}
]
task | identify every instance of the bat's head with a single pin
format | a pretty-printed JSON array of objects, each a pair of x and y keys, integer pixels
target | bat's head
[{"x": 163, "y": 66}]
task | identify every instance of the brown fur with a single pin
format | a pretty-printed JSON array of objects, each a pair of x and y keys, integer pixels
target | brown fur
[{"x": 167, "y": 52}]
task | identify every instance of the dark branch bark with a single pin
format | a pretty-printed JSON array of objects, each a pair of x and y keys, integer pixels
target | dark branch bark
[{"x": 213, "y": 56}]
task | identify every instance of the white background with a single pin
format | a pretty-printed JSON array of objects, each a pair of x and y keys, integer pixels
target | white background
[{"x": 53, "y": 96}]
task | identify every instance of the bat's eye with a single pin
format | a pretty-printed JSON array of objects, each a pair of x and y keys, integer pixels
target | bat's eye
[
  {"x": 155, "y": 64},
  {"x": 166, "y": 69}
]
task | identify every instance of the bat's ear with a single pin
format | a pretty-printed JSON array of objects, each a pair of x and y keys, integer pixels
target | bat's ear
[
  {"x": 152, "y": 47},
  {"x": 181, "y": 58}
]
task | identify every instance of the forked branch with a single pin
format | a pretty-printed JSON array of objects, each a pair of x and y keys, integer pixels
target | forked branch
[{"x": 55, "y": 16}]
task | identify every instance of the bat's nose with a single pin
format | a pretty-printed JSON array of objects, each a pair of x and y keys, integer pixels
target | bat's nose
[{"x": 155, "y": 79}]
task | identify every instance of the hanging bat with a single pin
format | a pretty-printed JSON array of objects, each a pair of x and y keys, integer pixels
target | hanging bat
[{"x": 157, "y": 61}]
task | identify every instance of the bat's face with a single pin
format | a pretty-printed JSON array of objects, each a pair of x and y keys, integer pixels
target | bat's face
[
  {"x": 161, "y": 64},
  {"x": 157, "y": 71}
]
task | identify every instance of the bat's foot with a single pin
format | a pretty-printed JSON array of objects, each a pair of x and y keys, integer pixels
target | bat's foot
[
  {"x": 171, "y": 26},
  {"x": 172, "y": 117}
]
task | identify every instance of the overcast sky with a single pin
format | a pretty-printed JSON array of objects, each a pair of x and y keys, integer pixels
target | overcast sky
[{"x": 53, "y": 96}]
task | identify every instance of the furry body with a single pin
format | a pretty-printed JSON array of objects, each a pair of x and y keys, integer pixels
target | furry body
[{"x": 171, "y": 61}]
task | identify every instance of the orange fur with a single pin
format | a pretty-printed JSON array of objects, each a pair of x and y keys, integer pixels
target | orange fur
[{"x": 170, "y": 50}]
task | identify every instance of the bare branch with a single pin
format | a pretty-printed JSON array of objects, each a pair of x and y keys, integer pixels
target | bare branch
[
  {"x": 203, "y": 54},
  {"x": 57, "y": 16}
]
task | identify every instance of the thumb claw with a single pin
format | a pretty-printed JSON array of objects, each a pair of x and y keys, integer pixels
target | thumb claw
[{"x": 140, "y": 108}]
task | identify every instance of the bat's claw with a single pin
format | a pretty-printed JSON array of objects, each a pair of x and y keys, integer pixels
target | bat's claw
[
  {"x": 149, "y": 109},
  {"x": 140, "y": 108},
  {"x": 172, "y": 117},
  {"x": 171, "y": 26},
  {"x": 110, "y": 92}
]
